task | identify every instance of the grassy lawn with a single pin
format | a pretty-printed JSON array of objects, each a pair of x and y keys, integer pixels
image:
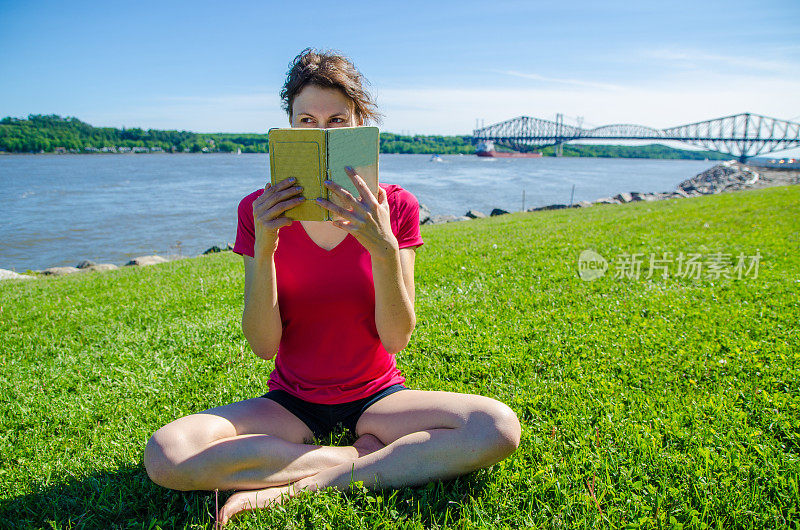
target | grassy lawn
[{"x": 644, "y": 402}]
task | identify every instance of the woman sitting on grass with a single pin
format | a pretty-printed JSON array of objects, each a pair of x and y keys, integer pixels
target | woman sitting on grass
[{"x": 333, "y": 302}]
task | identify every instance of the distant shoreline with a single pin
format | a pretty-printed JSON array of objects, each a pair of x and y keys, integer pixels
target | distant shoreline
[
  {"x": 52, "y": 153},
  {"x": 39, "y": 134}
]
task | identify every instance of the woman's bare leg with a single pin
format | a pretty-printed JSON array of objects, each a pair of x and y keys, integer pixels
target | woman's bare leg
[
  {"x": 250, "y": 444},
  {"x": 430, "y": 436}
]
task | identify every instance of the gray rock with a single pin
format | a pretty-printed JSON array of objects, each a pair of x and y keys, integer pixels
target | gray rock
[
  {"x": 85, "y": 264},
  {"x": 606, "y": 200},
  {"x": 439, "y": 219},
  {"x": 475, "y": 214},
  {"x": 582, "y": 204},
  {"x": 498, "y": 211},
  {"x": 6, "y": 274},
  {"x": 102, "y": 267},
  {"x": 424, "y": 214},
  {"x": 213, "y": 250},
  {"x": 624, "y": 197},
  {"x": 636, "y": 196},
  {"x": 142, "y": 261},
  {"x": 60, "y": 271},
  {"x": 680, "y": 193},
  {"x": 728, "y": 176},
  {"x": 548, "y": 207}
]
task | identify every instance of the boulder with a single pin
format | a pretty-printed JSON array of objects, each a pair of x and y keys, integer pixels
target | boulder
[
  {"x": 424, "y": 214},
  {"x": 728, "y": 176},
  {"x": 102, "y": 267},
  {"x": 498, "y": 211},
  {"x": 6, "y": 274},
  {"x": 679, "y": 193},
  {"x": 438, "y": 219},
  {"x": 475, "y": 214},
  {"x": 582, "y": 204},
  {"x": 548, "y": 207},
  {"x": 606, "y": 200},
  {"x": 60, "y": 271},
  {"x": 142, "y": 261},
  {"x": 85, "y": 264},
  {"x": 213, "y": 250},
  {"x": 624, "y": 197}
]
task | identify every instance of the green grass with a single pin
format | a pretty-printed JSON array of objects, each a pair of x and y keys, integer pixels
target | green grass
[{"x": 677, "y": 401}]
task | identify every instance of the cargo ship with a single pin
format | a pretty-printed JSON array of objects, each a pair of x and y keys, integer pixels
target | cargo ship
[{"x": 486, "y": 148}]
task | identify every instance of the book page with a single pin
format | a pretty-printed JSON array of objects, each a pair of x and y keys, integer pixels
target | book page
[{"x": 356, "y": 147}]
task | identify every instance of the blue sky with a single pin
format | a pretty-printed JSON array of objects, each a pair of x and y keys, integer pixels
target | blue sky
[{"x": 435, "y": 66}]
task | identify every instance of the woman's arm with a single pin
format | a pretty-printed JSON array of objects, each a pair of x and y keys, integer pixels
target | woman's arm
[
  {"x": 392, "y": 268},
  {"x": 394, "y": 298},
  {"x": 261, "y": 318}
]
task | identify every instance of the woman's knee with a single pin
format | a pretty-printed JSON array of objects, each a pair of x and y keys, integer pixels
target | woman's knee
[
  {"x": 163, "y": 457},
  {"x": 169, "y": 453},
  {"x": 497, "y": 430}
]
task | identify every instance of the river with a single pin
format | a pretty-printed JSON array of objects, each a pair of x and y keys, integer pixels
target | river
[{"x": 61, "y": 209}]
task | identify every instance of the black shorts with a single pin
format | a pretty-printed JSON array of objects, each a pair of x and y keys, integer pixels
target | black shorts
[{"x": 323, "y": 419}]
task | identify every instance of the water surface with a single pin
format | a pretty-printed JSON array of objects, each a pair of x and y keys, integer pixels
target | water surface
[{"x": 61, "y": 209}]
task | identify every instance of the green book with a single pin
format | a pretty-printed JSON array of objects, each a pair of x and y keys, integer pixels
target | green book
[{"x": 315, "y": 155}]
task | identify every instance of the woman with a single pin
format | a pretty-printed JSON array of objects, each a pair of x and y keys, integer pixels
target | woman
[{"x": 335, "y": 302}]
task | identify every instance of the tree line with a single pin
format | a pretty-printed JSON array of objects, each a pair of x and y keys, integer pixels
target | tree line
[{"x": 52, "y": 133}]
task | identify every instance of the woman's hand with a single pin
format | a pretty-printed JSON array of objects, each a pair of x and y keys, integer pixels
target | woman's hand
[
  {"x": 268, "y": 210},
  {"x": 366, "y": 218}
]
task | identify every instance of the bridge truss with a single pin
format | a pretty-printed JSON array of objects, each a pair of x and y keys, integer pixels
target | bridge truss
[{"x": 741, "y": 135}]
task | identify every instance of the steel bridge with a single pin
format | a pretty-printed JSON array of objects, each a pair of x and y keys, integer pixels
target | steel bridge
[{"x": 741, "y": 135}]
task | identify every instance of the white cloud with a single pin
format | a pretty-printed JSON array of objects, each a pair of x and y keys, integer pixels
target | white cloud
[
  {"x": 556, "y": 80},
  {"x": 696, "y": 59}
]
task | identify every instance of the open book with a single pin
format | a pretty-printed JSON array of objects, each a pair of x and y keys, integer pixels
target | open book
[{"x": 315, "y": 155}]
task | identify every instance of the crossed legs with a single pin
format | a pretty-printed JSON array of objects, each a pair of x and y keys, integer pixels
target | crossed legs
[{"x": 258, "y": 446}]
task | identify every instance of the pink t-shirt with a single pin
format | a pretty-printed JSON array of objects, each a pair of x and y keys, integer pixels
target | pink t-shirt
[{"x": 330, "y": 351}]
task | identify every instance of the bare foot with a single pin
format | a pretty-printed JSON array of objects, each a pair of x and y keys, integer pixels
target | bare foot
[
  {"x": 366, "y": 444},
  {"x": 253, "y": 500}
]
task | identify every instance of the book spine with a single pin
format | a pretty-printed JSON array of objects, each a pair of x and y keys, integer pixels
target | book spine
[{"x": 326, "y": 174}]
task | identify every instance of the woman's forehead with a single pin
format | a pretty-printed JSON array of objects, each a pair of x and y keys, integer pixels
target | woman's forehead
[{"x": 315, "y": 99}]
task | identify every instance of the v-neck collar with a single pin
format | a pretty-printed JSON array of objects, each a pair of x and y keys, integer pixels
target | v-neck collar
[{"x": 311, "y": 242}]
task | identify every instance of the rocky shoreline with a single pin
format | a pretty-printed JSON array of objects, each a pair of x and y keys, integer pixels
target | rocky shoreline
[
  {"x": 722, "y": 178},
  {"x": 88, "y": 266}
]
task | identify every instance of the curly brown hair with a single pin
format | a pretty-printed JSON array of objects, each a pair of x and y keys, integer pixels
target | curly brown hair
[{"x": 329, "y": 69}]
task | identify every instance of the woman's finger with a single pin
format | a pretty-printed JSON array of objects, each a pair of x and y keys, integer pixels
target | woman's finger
[
  {"x": 271, "y": 189},
  {"x": 277, "y": 209},
  {"x": 381, "y": 195},
  {"x": 277, "y": 198},
  {"x": 361, "y": 186},
  {"x": 338, "y": 210},
  {"x": 346, "y": 196}
]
